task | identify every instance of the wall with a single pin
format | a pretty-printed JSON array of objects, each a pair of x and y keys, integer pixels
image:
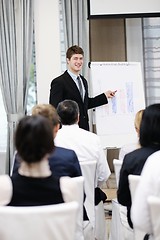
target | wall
[
  {"x": 107, "y": 40},
  {"x": 134, "y": 40},
  {"x": 116, "y": 40},
  {"x": 47, "y": 45}
]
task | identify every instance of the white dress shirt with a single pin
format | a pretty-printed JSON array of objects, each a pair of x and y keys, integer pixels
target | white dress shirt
[
  {"x": 86, "y": 145},
  {"x": 74, "y": 77},
  {"x": 149, "y": 185}
]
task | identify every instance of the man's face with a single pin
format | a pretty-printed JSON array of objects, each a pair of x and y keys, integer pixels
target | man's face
[{"x": 75, "y": 63}]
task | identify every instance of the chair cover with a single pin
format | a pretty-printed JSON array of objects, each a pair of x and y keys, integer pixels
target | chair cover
[
  {"x": 49, "y": 222},
  {"x": 78, "y": 195},
  {"x": 154, "y": 206},
  {"x": 95, "y": 213},
  {"x": 117, "y": 167},
  {"x": 89, "y": 173},
  {"x": 133, "y": 183}
]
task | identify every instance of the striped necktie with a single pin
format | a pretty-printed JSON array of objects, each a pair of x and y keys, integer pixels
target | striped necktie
[{"x": 80, "y": 86}]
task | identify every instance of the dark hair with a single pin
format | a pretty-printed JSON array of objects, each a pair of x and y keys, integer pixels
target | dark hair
[
  {"x": 74, "y": 50},
  {"x": 34, "y": 138},
  {"x": 68, "y": 111},
  {"x": 150, "y": 126}
]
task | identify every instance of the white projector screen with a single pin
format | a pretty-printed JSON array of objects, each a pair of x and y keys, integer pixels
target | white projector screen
[{"x": 123, "y": 8}]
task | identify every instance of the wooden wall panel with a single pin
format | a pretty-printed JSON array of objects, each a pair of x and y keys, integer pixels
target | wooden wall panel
[{"x": 107, "y": 40}]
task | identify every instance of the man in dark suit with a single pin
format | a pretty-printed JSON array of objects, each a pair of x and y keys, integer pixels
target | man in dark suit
[{"x": 73, "y": 86}]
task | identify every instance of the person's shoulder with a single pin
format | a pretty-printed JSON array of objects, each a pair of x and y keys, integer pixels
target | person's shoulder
[
  {"x": 135, "y": 152},
  {"x": 60, "y": 77},
  {"x": 62, "y": 152},
  {"x": 131, "y": 157},
  {"x": 90, "y": 136},
  {"x": 138, "y": 156}
]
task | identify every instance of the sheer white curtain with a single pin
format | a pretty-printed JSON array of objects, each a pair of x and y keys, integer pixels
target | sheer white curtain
[
  {"x": 16, "y": 32},
  {"x": 76, "y": 30}
]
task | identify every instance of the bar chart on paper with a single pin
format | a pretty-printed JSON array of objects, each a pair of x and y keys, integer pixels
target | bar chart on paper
[{"x": 115, "y": 120}]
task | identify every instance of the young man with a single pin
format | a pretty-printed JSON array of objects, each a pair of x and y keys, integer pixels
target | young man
[{"x": 71, "y": 85}]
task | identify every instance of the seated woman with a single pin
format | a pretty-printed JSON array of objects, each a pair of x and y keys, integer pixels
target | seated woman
[
  {"x": 134, "y": 161},
  {"x": 33, "y": 184}
]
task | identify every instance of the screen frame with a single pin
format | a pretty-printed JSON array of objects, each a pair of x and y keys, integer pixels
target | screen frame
[{"x": 123, "y": 15}]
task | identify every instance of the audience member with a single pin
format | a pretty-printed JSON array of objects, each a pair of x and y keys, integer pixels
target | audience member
[
  {"x": 130, "y": 147},
  {"x": 133, "y": 162},
  {"x": 86, "y": 144},
  {"x": 148, "y": 186},
  {"x": 34, "y": 184},
  {"x": 62, "y": 161}
]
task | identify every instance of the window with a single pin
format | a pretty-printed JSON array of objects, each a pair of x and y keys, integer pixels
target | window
[
  {"x": 32, "y": 91},
  {"x": 32, "y": 100}
]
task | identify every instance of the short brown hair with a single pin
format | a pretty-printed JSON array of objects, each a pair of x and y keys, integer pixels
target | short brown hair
[
  {"x": 48, "y": 111},
  {"x": 74, "y": 50}
]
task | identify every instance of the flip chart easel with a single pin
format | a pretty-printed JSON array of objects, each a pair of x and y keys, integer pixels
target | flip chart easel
[{"x": 115, "y": 120}]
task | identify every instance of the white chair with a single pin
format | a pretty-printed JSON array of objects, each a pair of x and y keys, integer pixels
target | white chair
[
  {"x": 79, "y": 227},
  {"x": 66, "y": 184},
  {"x": 154, "y": 206},
  {"x": 117, "y": 167},
  {"x": 120, "y": 229},
  {"x": 89, "y": 173},
  {"x": 100, "y": 222},
  {"x": 49, "y": 222},
  {"x": 95, "y": 213},
  {"x": 133, "y": 183}
]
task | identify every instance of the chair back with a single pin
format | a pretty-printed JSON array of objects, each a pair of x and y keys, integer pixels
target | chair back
[
  {"x": 117, "y": 167},
  {"x": 79, "y": 228},
  {"x": 133, "y": 184},
  {"x": 49, "y": 222},
  {"x": 100, "y": 222},
  {"x": 154, "y": 207},
  {"x": 73, "y": 190},
  {"x": 89, "y": 173}
]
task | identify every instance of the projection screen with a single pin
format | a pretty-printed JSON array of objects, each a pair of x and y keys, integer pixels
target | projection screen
[{"x": 123, "y": 8}]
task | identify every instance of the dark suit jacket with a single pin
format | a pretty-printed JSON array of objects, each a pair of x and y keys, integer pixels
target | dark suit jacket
[
  {"x": 132, "y": 164},
  {"x": 63, "y": 87},
  {"x": 63, "y": 162}
]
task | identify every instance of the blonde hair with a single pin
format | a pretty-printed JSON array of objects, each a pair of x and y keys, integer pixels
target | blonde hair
[
  {"x": 138, "y": 119},
  {"x": 48, "y": 111}
]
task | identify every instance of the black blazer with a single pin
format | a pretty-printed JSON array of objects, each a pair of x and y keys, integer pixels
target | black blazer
[{"x": 63, "y": 87}]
